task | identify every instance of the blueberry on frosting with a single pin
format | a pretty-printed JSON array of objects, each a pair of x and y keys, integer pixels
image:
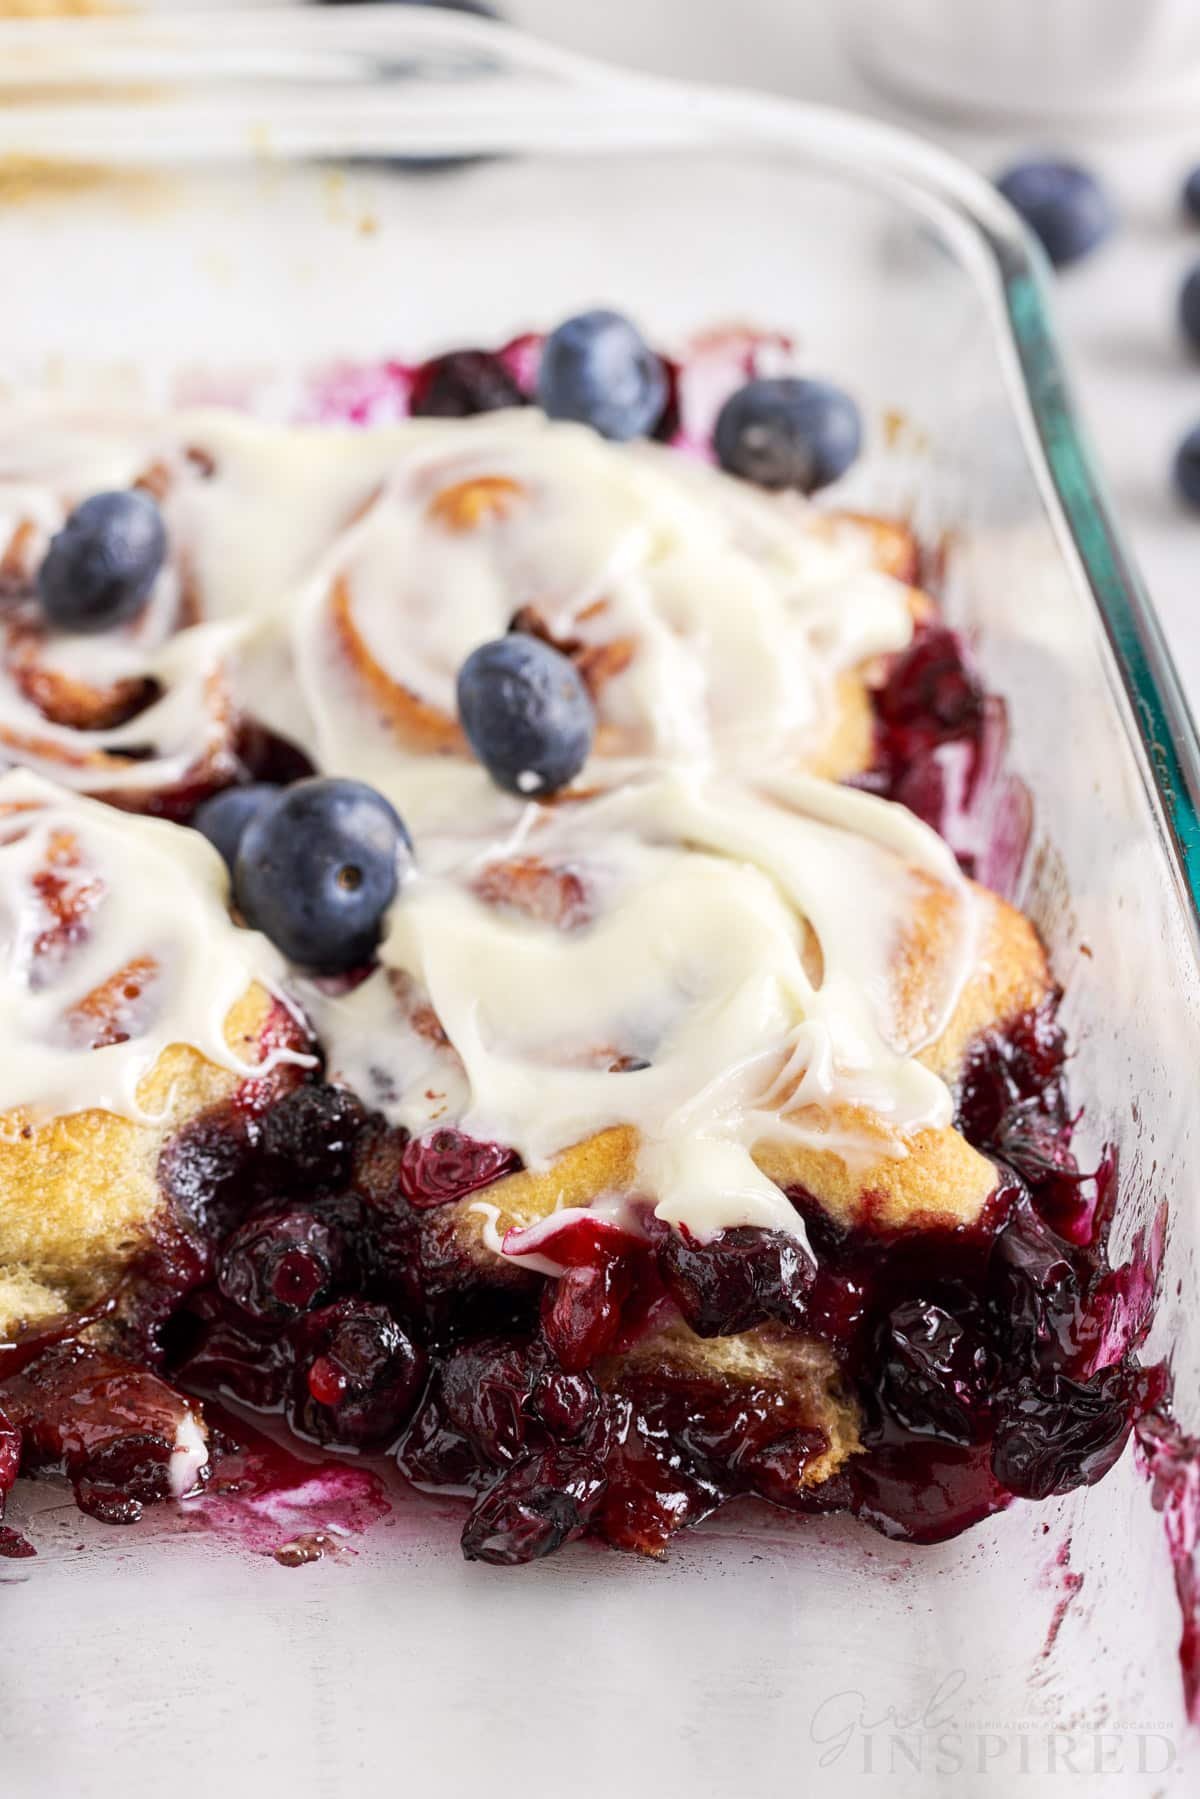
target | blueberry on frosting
[
  {"x": 782, "y": 431},
  {"x": 100, "y": 567},
  {"x": 224, "y": 817},
  {"x": 317, "y": 869},
  {"x": 526, "y": 713},
  {"x": 598, "y": 370}
]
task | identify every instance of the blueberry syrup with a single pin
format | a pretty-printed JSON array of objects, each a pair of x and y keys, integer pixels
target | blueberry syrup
[
  {"x": 1068, "y": 1583},
  {"x": 940, "y": 740},
  {"x": 271, "y": 1501},
  {"x": 1171, "y": 1461}
]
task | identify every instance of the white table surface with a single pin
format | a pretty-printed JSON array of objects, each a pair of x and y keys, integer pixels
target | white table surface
[{"x": 1137, "y": 381}]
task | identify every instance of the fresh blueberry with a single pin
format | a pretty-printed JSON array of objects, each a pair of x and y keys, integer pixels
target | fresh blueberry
[
  {"x": 1187, "y": 467},
  {"x": 1063, "y": 205},
  {"x": 597, "y": 369},
  {"x": 526, "y": 713},
  {"x": 318, "y": 868},
  {"x": 224, "y": 817},
  {"x": 101, "y": 566},
  {"x": 785, "y": 432},
  {"x": 1190, "y": 195},
  {"x": 1189, "y": 306}
]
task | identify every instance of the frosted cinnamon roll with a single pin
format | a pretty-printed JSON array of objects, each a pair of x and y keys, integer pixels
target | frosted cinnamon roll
[
  {"x": 132, "y": 1006},
  {"x": 297, "y": 594},
  {"x": 141, "y": 714}
]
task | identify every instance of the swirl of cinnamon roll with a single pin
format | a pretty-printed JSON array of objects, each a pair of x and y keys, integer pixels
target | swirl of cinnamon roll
[{"x": 142, "y": 715}]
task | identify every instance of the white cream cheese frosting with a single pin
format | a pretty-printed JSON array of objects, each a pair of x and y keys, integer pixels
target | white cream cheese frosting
[
  {"x": 189, "y": 1456},
  {"x": 725, "y": 973},
  {"x": 690, "y": 973}
]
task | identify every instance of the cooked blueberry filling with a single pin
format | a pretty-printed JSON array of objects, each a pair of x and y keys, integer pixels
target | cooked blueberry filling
[
  {"x": 463, "y": 383},
  {"x": 742, "y": 1278},
  {"x": 969, "y": 1350},
  {"x": 1189, "y": 194},
  {"x": 283, "y": 1264},
  {"x": 308, "y": 1139},
  {"x": 447, "y": 1165},
  {"x": 358, "y": 1375}
]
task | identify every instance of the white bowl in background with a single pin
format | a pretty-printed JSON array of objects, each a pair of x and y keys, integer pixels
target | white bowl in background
[{"x": 1076, "y": 61}]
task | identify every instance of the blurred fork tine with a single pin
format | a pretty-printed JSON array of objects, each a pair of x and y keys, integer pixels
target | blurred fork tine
[{"x": 286, "y": 82}]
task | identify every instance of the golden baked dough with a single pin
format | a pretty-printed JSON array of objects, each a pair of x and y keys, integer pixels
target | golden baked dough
[
  {"x": 25, "y": 1301},
  {"x": 79, "y": 1194}
]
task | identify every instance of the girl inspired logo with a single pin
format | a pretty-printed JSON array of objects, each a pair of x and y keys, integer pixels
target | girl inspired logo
[{"x": 934, "y": 1740}]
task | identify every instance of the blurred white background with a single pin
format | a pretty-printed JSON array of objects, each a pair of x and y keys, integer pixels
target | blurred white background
[{"x": 1138, "y": 381}]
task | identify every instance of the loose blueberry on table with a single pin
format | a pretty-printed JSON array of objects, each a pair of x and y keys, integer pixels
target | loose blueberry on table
[
  {"x": 1065, "y": 206},
  {"x": 1189, "y": 307},
  {"x": 1187, "y": 468}
]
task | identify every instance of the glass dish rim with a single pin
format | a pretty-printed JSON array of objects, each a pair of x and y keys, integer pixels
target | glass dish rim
[{"x": 288, "y": 84}]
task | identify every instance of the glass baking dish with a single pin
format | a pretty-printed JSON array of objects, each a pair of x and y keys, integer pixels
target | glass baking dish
[{"x": 188, "y": 200}]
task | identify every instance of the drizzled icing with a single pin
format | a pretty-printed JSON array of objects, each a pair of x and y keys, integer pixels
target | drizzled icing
[
  {"x": 709, "y": 955},
  {"x": 694, "y": 964},
  {"x": 113, "y": 929}
]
